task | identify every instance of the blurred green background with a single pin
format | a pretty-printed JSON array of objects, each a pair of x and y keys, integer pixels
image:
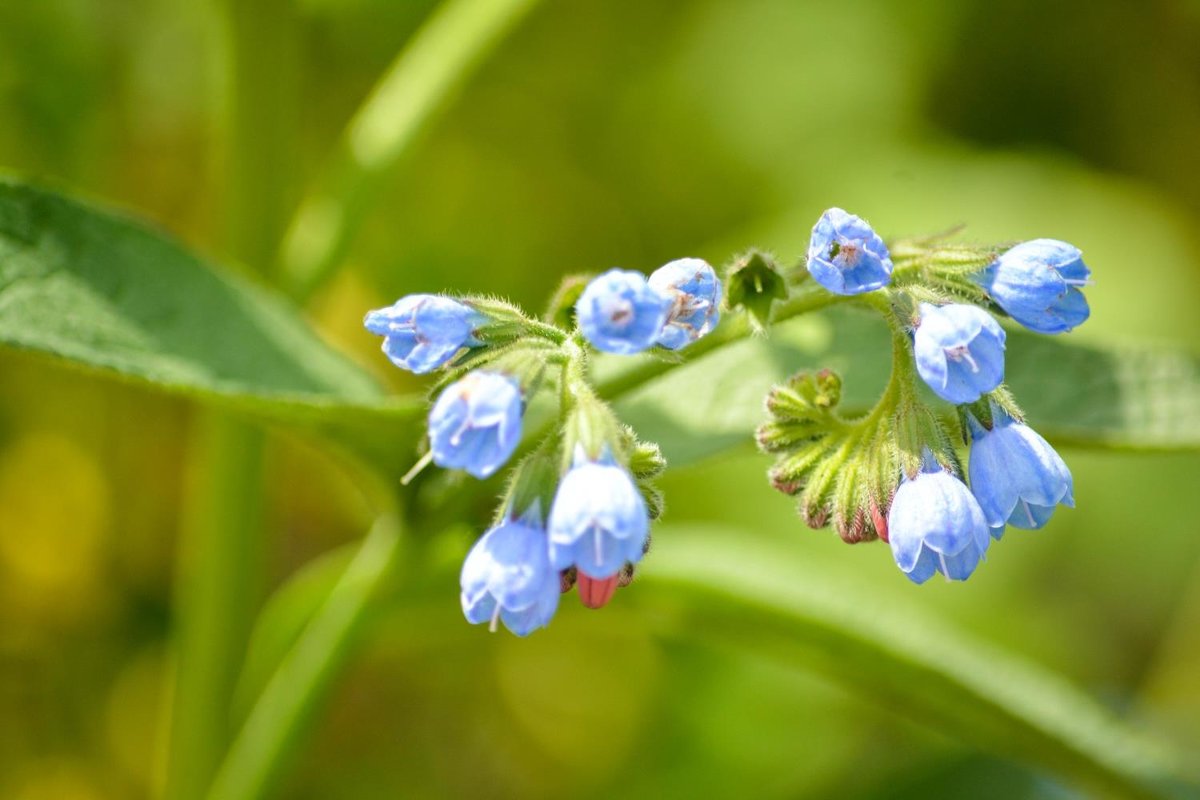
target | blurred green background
[{"x": 598, "y": 134}]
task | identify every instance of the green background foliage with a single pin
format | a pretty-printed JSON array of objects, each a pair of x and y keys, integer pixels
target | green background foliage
[{"x": 190, "y": 607}]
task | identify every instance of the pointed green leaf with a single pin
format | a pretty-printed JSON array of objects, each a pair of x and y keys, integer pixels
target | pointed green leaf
[{"x": 103, "y": 292}]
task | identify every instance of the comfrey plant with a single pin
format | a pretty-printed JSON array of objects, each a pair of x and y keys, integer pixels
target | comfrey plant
[
  {"x": 579, "y": 504},
  {"x": 894, "y": 473}
]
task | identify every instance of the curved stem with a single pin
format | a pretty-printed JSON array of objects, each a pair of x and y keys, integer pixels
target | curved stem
[
  {"x": 417, "y": 86},
  {"x": 809, "y": 298},
  {"x": 255, "y": 760}
]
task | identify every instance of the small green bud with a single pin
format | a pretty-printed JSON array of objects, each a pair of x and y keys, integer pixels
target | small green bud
[
  {"x": 646, "y": 460},
  {"x": 791, "y": 472},
  {"x": 754, "y": 282},
  {"x": 807, "y": 396}
]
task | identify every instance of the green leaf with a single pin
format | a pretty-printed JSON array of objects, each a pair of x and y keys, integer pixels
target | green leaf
[
  {"x": 1138, "y": 397},
  {"x": 736, "y": 590},
  {"x": 104, "y": 292}
]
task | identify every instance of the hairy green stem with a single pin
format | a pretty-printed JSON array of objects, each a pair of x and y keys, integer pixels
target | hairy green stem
[
  {"x": 417, "y": 86},
  {"x": 809, "y": 298}
]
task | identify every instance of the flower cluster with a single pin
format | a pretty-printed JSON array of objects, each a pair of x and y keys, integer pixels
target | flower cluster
[
  {"x": 580, "y": 500},
  {"x": 893, "y": 473},
  {"x": 578, "y": 507},
  {"x": 625, "y": 312}
]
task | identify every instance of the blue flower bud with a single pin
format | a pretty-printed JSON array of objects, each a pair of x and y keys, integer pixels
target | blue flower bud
[
  {"x": 695, "y": 292},
  {"x": 846, "y": 256},
  {"x": 1038, "y": 282},
  {"x": 936, "y": 525},
  {"x": 598, "y": 521},
  {"x": 618, "y": 312},
  {"x": 1016, "y": 475},
  {"x": 959, "y": 351},
  {"x": 476, "y": 423},
  {"x": 507, "y": 576},
  {"x": 423, "y": 331}
]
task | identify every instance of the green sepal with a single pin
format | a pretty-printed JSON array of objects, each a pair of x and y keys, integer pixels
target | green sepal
[
  {"x": 531, "y": 486},
  {"x": 754, "y": 282},
  {"x": 592, "y": 431},
  {"x": 560, "y": 311},
  {"x": 524, "y": 359}
]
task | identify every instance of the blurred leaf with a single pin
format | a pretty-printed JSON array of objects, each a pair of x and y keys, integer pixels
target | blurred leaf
[
  {"x": 304, "y": 664},
  {"x": 106, "y": 293},
  {"x": 751, "y": 594},
  {"x": 1136, "y": 397},
  {"x": 283, "y": 619}
]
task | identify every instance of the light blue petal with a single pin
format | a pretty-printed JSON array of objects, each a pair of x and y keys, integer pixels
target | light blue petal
[
  {"x": 959, "y": 566},
  {"x": 923, "y": 568}
]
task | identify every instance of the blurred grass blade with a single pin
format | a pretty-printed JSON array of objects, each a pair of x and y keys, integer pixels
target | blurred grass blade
[
  {"x": 419, "y": 84},
  {"x": 283, "y": 619},
  {"x": 1103, "y": 396},
  {"x": 736, "y": 590},
  {"x": 106, "y": 293},
  {"x": 280, "y": 717}
]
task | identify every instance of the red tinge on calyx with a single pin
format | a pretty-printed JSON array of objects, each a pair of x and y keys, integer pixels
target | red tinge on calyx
[{"x": 596, "y": 592}]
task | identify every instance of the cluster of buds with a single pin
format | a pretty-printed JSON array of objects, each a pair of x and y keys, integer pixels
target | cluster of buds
[
  {"x": 894, "y": 473},
  {"x": 578, "y": 508}
]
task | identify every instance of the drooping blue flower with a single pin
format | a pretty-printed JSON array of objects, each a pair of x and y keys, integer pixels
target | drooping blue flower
[
  {"x": 695, "y": 292},
  {"x": 959, "y": 351},
  {"x": 476, "y": 423},
  {"x": 423, "y": 331},
  {"x": 618, "y": 312},
  {"x": 846, "y": 256},
  {"x": 507, "y": 576},
  {"x": 1038, "y": 284},
  {"x": 1016, "y": 475},
  {"x": 935, "y": 525},
  {"x": 598, "y": 520}
]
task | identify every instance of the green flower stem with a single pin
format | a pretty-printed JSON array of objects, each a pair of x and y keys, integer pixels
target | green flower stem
[
  {"x": 810, "y": 298},
  {"x": 221, "y": 542},
  {"x": 417, "y": 86},
  {"x": 279, "y": 718}
]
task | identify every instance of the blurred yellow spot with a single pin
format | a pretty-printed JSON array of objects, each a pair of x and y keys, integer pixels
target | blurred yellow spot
[
  {"x": 134, "y": 718},
  {"x": 54, "y": 512},
  {"x": 582, "y": 687},
  {"x": 57, "y": 780}
]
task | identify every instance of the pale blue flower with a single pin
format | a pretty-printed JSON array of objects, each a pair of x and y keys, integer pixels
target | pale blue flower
[
  {"x": 507, "y": 576},
  {"x": 959, "y": 351},
  {"x": 598, "y": 520},
  {"x": 1038, "y": 283},
  {"x": 846, "y": 256},
  {"x": 695, "y": 292},
  {"x": 475, "y": 424},
  {"x": 618, "y": 312},
  {"x": 935, "y": 525},
  {"x": 423, "y": 331},
  {"x": 1016, "y": 475}
]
